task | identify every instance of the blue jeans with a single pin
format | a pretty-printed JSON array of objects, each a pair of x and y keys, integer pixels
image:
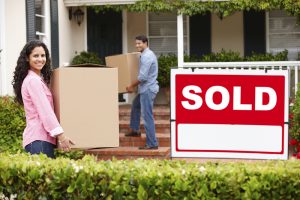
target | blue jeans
[
  {"x": 39, "y": 146},
  {"x": 143, "y": 104}
]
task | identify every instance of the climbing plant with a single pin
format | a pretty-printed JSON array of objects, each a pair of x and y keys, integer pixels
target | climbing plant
[{"x": 192, "y": 7}]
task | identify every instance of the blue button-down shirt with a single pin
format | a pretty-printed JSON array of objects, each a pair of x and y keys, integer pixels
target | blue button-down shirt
[{"x": 148, "y": 70}]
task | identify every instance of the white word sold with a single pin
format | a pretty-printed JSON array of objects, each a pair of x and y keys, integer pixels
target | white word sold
[{"x": 237, "y": 105}]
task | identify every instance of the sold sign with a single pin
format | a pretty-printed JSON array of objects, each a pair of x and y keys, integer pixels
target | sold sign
[{"x": 229, "y": 113}]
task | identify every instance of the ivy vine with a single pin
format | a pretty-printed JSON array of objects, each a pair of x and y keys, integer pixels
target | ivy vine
[{"x": 192, "y": 7}]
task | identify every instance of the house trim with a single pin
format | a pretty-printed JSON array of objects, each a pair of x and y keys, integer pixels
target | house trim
[
  {"x": 124, "y": 32},
  {"x": 85, "y": 30},
  {"x": 3, "y": 72},
  {"x": 69, "y": 3}
]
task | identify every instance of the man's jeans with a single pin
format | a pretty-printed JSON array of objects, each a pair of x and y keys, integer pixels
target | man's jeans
[
  {"x": 39, "y": 146},
  {"x": 143, "y": 104}
]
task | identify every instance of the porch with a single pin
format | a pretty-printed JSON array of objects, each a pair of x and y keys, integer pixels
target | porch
[{"x": 129, "y": 145}]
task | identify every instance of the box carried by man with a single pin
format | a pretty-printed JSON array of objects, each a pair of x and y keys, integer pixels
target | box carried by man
[{"x": 128, "y": 66}]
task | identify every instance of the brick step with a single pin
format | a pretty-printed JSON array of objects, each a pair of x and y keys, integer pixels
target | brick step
[
  {"x": 127, "y": 107},
  {"x": 160, "y": 112},
  {"x": 163, "y": 140},
  {"x": 161, "y": 126},
  {"x": 129, "y": 153},
  {"x": 126, "y": 117}
]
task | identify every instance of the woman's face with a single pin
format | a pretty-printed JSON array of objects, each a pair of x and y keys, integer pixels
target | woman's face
[{"x": 37, "y": 59}]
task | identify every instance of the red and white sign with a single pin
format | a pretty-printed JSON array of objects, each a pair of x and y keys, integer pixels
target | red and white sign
[{"x": 229, "y": 113}]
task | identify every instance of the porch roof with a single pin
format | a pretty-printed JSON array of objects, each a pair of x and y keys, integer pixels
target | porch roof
[{"x": 70, "y": 3}]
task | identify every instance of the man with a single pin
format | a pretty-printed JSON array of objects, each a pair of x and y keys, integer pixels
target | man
[{"x": 147, "y": 90}]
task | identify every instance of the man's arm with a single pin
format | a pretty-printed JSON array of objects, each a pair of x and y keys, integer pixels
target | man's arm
[{"x": 131, "y": 87}]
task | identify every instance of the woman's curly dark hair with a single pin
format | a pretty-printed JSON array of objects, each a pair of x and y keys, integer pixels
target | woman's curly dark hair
[{"x": 22, "y": 67}]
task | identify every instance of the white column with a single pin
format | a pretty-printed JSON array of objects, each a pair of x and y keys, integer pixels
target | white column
[
  {"x": 47, "y": 24},
  {"x": 3, "y": 72},
  {"x": 124, "y": 31},
  {"x": 180, "y": 39}
]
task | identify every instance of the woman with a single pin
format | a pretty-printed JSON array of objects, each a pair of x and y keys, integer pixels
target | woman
[{"x": 31, "y": 79}]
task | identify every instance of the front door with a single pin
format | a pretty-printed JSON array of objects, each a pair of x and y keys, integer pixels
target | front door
[{"x": 104, "y": 32}]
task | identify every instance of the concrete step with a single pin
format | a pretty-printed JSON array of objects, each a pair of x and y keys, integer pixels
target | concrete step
[
  {"x": 129, "y": 153},
  {"x": 163, "y": 140},
  {"x": 161, "y": 126}
]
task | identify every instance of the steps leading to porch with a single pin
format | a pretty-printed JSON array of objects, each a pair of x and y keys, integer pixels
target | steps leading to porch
[{"x": 128, "y": 148}]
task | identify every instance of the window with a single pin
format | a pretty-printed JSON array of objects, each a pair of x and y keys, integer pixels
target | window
[
  {"x": 42, "y": 10},
  {"x": 39, "y": 20},
  {"x": 162, "y": 33},
  {"x": 284, "y": 33}
]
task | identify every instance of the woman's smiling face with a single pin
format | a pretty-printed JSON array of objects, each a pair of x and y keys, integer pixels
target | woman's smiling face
[{"x": 37, "y": 59}]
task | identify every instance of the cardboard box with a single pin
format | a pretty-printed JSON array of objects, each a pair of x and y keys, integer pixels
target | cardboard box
[
  {"x": 86, "y": 104},
  {"x": 128, "y": 66}
]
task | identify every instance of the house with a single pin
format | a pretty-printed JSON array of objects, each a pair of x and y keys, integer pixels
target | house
[{"x": 71, "y": 26}]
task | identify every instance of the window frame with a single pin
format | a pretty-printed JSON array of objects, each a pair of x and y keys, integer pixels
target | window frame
[{"x": 187, "y": 35}]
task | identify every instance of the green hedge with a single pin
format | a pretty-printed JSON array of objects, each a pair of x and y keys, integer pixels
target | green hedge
[
  {"x": 86, "y": 57},
  {"x": 166, "y": 62},
  {"x": 38, "y": 177},
  {"x": 12, "y": 124}
]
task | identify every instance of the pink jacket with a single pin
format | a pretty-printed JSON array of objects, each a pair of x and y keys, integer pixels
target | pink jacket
[{"x": 41, "y": 122}]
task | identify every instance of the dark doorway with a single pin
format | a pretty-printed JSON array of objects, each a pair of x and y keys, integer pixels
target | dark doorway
[{"x": 104, "y": 34}]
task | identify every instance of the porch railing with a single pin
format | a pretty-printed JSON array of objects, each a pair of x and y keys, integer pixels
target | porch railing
[{"x": 291, "y": 66}]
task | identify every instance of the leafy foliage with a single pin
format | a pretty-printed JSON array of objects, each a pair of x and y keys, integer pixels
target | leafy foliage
[
  {"x": 294, "y": 126},
  {"x": 281, "y": 56},
  {"x": 86, "y": 57},
  {"x": 222, "y": 56},
  {"x": 12, "y": 124},
  {"x": 192, "y": 7},
  {"x": 166, "y": 62},
  {"x": 38, "y": 177}
]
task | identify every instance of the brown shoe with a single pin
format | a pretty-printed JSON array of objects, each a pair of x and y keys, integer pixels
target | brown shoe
[
  {"x": 133, "y": 134},
  {"x": 146, "y": 147}
]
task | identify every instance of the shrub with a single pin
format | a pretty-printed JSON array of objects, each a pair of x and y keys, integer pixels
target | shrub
[
  {"x": 294, "y": 126},
  {"x": 223, "y": 56},
  {"x": 38, "y": 177},
  {"x": 281, "y": 56},
  {"x": 12, "y": 124},
  {"x": 86, "y": 57},
  {"x": 165, "y": 63}
]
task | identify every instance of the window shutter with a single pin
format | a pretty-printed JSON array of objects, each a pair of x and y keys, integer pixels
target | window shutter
[
  {"x": 54, "y": 34},
  {"x": 254, "y": 32},
  {"x": 30, "y": 19},
  {"x": 200, "y": 34}
]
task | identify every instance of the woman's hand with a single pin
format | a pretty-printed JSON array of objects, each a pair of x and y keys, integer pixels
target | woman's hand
[{"x": 64, "y": 142}]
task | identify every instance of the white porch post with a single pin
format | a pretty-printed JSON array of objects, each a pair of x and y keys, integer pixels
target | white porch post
[
  {"x": 3, "y": 72},
  {"x": 47, "y": 26},
  {"x": 180, "y": 45}
]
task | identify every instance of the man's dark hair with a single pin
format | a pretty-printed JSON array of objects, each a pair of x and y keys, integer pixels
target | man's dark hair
[{"x": 142, "y": 38}]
